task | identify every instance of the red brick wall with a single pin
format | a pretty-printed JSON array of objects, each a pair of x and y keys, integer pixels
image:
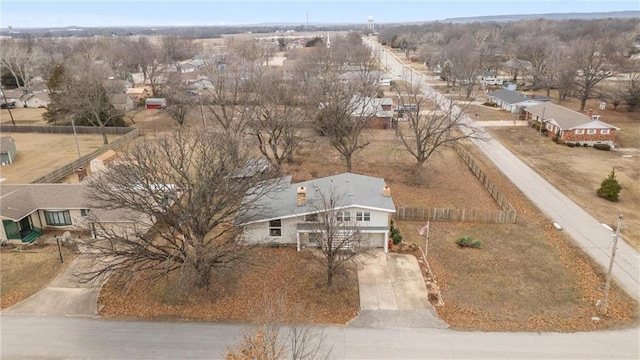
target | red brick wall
[{"x": 571, "y": 136}]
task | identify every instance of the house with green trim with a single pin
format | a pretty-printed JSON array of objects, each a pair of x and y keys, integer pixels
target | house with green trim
[{"x": 27, "y": 209}]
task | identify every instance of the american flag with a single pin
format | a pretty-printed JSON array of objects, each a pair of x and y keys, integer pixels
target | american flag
[{"x": 424, "y": 228}]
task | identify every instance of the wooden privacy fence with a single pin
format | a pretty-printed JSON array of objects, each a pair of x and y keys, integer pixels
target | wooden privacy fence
[
  {"x": 506, "y": 215},
  {"x": 65, "y": 129},
  {"x": 464, "y": 215},
  {"x": 63, "y": 172}
]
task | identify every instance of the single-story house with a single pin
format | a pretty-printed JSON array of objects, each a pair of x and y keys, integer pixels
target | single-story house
[
  {"x": 292, "y": 213},
  {"x": 28, "y": 210},
  {"x": 377, "y": 111},
  {"x": 8, "y": 150},
  {"x": 514, "y": 101},
  {"x": 572, "y": 126},
  {"x": 155, "y": 103},
  {"x": 122, "y": 102},
  {"x": 490, "y": 78},
  {"x": 137, "y": 93},
  {"x": 31, "y": 100}
]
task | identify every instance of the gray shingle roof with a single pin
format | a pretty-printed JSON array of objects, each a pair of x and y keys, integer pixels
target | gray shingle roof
[
  {"x": 349, "y": 190},
  {"x": 508, "y": 96},
  {"x": 566, "y": 119},
  {"x": 4, "y": 144},
  {"x": 18, "y": 201}
]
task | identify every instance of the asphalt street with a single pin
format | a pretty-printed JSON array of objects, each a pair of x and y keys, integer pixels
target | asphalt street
[
  {"x": 37, "y": 337},
  {"x": 587, "y": 231}
]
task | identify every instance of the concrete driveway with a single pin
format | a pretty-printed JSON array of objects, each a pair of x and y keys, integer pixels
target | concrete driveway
[
  {"x": 65, "y": 295},
  {"x": 393, "y": 293}
]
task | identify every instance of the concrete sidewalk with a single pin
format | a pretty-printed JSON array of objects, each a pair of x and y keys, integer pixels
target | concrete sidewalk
[
  {"x": 66, "y": 295},
  {"x": 393, "y": 293}
]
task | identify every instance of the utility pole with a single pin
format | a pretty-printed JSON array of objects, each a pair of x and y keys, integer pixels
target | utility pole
[
  {"x": 611, "y": 261},
  {"x": 4, "y": 96}
]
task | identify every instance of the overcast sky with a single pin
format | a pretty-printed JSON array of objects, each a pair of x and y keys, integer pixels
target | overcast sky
[{"x": 52, "y": 13}]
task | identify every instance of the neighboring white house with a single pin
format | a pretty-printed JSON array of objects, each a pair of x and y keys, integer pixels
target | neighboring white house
[
  {"x": 513, "y": 101},
  {"x": 290, "y": 215},
  {"x": 28, "y": 210},
  {"x": 31, "y": 100}
]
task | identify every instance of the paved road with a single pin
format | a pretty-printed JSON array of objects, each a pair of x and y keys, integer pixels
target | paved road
[
  {"x": 37, "y": 337},
  {"x": 587, "y": 231}
]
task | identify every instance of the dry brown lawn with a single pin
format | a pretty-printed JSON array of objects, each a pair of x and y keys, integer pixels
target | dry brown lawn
[
  {"x": 22, "y": 116},
  {"x": 26, "y": 270},
  {"x": 526, "y": 277},
  {"x": 578, "y": 172},
  {"x": 40, "y": 154},
  {"x": 278, "y": 278}
]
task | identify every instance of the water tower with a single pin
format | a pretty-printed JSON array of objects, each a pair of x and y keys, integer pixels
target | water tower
[{"x": 370, "y": 25}]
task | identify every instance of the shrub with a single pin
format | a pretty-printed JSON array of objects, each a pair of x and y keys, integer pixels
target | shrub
[
  {"x": 610, "y": 188},
  {"x": 605, "y": 147},
  {"x": 468, "y": 241},
  {"x": 490, "y": 104},
  {"x": 570, "y": 144},
  {"x": 395, "y": 234}
]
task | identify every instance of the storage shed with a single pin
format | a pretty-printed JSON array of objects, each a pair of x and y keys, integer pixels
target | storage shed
[
  {"x": 8, "y": 150},
  {"x": 155, "y": 103}
]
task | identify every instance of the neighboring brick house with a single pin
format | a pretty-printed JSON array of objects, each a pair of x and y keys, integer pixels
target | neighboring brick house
[
  {"x": 377, "y": 111},
  {"x": 571, "y": 126}
]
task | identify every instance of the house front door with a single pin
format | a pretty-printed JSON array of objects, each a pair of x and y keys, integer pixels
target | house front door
[{"x": 25, "y": 226}]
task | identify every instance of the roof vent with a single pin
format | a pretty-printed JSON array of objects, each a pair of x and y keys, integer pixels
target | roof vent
[{"x": 386, "y": 191}]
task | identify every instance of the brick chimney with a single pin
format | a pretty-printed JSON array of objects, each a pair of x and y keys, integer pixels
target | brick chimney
[
  {"x": 386, "y": 191},
  {"x": 301, "y": 196}
]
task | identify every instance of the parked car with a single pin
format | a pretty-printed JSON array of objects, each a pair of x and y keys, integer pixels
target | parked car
[{"x": 10, "y": 105}]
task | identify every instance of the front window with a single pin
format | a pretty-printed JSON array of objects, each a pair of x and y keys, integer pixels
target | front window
[
  {"x": 343, "y": 216},
  {"x": 604, "y": 131},
  {"x": 363, "y": 216},
  {"x": 275, "y": 228},
  {"x": 311, "y": 218},
  {"x": 591, "y": 131},
  {"x": 579, "y": 131},
  {"x": 57, "y": 218}
]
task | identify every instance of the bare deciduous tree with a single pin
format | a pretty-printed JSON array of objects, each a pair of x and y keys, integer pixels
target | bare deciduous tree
[
  {"x": 182, "y": 193},
  {"x": 180, "y": 102},
  {"x": 278, "y": 119},
  {"x": 431, "y": 127},
  {"x": 20, "y": 59},
  {"x": 335, "y": 231},
  {"x": 594, "y": 61},
  {"x": 538, "y": 50},
  {"x": 279, "y": 333},
  {"x": 346, "y": 103},
  {"x": 465, "y": 62}
]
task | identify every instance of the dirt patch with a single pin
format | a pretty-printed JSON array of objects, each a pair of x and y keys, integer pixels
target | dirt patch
[{"x": 24, "y": 270}]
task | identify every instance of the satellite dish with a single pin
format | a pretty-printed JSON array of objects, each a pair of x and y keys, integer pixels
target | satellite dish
[{"x": 66, "y": 236}]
